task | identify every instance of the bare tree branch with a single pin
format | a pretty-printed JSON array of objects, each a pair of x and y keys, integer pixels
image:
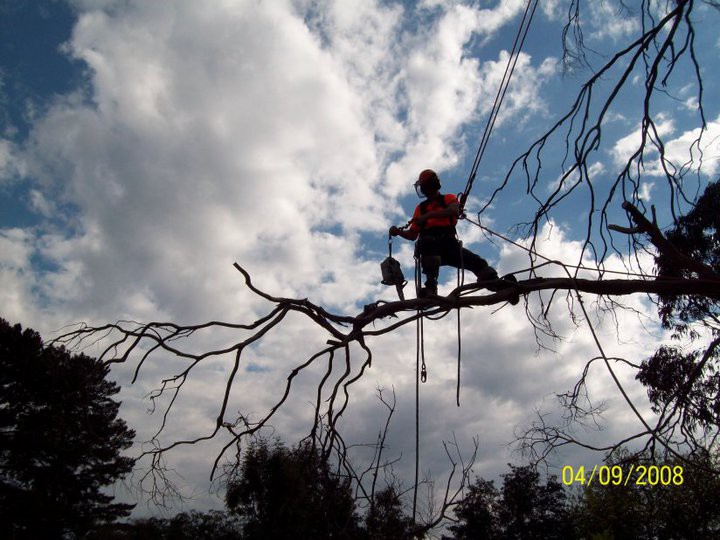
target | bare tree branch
[{"x": 667, "y": 40}]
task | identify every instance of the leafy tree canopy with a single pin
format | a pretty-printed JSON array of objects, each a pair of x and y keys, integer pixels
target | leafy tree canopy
[
  {"x": 522, "y": 508},
  {"x": 696, "y": 235},
  {"x": 212, "y": 525},
  {"x": 60, "y": 439},
  {"x": 678, "y": 379},
  {"x": 386, "y": 519},
  {"x": 662, "y": 499},
  {"x": 290, "y": 493}
]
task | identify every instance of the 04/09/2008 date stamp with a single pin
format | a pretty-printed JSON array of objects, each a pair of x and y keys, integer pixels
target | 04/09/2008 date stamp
[{"x": 615, "y": 475}]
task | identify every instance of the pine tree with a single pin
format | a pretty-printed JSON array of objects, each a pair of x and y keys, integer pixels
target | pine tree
[{"x": 60, "y": 439}]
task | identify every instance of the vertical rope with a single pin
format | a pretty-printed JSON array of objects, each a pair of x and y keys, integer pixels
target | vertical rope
[
  {"x": 502, "y": 89},
  {"x": 417, "y": 423},
  {"x": 459, "y": 357},
  {"x": 418, "y": 353},
  {"x": 461, "y": 282}
]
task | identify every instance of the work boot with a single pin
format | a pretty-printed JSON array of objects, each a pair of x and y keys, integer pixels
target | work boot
[
  {"x": 515, "y": 298},
  {"x": 486, "y": 274},
  {"x": 430, "y": 289},
  {"x": 489, "y": 274}
]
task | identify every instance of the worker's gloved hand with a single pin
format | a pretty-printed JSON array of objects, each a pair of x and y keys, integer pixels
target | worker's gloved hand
[{"x": 394, "y": 231}]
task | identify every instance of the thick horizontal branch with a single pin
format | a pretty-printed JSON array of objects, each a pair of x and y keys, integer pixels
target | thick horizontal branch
[
  {"x": 609, "y": 287},
  {"x": 619, "y": 287}
]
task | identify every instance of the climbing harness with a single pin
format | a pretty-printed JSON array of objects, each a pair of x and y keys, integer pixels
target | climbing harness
[{"x": 392, "y": 273}]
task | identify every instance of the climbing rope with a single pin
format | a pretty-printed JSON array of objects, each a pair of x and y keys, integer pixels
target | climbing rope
[
  {"x": 420, "y": 375},
  {"x": 421, "y": 371},
  {"x": 420, "y": 366},
  {"x": 500, "y": 96},
  {"x": 548, "y": 260},
  {"x": 460, "y": 282},
  {"x": 420, "y": 326}
]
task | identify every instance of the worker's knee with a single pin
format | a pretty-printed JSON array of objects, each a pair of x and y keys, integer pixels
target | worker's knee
[{"x": 431, "y": 263}]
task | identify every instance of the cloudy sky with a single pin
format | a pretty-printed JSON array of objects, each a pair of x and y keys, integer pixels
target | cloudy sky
[{"x": 146, "y": 146}]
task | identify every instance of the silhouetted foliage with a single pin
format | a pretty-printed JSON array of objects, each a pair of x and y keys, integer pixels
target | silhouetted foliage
[
  {"x": 478, "y": 512},
  {"x": 60, "y": 439},
  {"x": 687, "y": 507},
  {"x": 531, "y": 510},
  {"x": 212, "y": 525},
  {"x": 274, "y": 493},
  {"x": 290, "y": 493},
  {"x": 522, "y": 509},
  {"x": 673, "y": 376},
  {"x": 386, "y": 519},
  {"x": 697, "y": 236}
]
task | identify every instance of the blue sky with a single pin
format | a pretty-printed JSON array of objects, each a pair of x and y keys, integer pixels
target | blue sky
[{"x": 146, "y": 146}]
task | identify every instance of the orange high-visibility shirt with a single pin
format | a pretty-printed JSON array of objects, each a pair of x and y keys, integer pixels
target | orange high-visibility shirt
[{"x": 432, "y": 206}]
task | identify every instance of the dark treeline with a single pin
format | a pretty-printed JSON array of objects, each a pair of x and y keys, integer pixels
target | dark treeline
[
  {"x": 61, "y": 442},
  {"x": 282, "y": 493}
]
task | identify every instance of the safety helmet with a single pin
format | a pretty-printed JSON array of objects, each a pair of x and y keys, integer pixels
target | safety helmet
[{"x": 427, "y": 182}]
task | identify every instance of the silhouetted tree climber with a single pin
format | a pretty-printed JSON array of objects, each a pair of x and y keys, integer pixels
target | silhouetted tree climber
[{"x": 433, "y": 226}]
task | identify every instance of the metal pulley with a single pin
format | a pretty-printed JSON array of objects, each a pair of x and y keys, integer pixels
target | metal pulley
[{"x": 392, "y": 273}]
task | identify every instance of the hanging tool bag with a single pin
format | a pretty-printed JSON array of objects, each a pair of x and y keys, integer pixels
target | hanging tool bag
[{"x": 392, "y": 273}]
